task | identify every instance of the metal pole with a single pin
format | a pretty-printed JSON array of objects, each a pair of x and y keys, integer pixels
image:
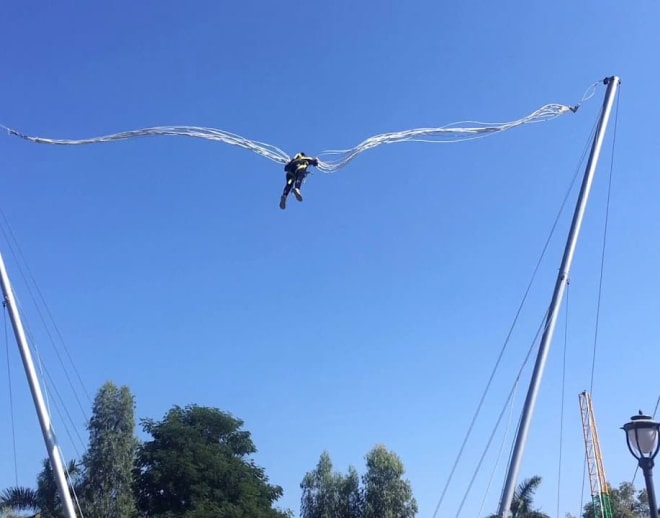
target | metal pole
[
  {"x": 647, "y": 467},
  {"x": 37, "y": 396},
  {"x": 560, "y": 285}
]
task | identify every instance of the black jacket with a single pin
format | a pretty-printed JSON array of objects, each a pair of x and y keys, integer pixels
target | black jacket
[{"x": 300, "y": 165}]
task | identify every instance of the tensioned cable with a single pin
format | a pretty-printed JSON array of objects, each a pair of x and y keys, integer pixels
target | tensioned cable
[
  {"x": 511, "y": 451},
  {"x": 515, "y": 320},
  {"x": 48, "y": 384},
  {"x": 542, "y": 324},
  {"x": 72, "y": 488},
  {"x": 11, "y": 395},
  {"x": 499, "y": 453},
  {"x": 563, "y": 398},
  {"x": 29, "y": 280},
  {"x": 42, "y": 299},
  {"x": 602, "y": 258},
  {"x": 600, "y": 286},
  {"x": 576, "y": 173},
  {"x": 600, "y": 283}
]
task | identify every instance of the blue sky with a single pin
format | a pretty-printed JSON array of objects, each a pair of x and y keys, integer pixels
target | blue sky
[{"x": 372, "y": 312}]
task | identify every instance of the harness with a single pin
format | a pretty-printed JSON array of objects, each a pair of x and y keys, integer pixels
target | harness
[{"x": 298, "y": 165}]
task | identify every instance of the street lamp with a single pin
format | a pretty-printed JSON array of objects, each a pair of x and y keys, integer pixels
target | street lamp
[{"x": 642, "y": 438}]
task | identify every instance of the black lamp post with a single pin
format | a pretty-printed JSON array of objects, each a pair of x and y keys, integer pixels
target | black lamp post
[{"x": 642, "y": 438}]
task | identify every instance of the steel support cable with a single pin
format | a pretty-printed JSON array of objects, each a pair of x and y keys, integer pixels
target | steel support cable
[
  {"x": 600, "y": 284},
  {"x": 61, "y": 408},
  {"x": 38, "y": 301},
  {"x": 504, "y": 407},
  {"x": 515, "y": 319},
  {"x": 565, "y": 199},
  {"x": 48, "y": 383},
  {"x": 499, "y": 453},
  {"x": 602, "y": 257},
  {"x": 563, "y": 398},
  {"x": 11, "y": 395}
]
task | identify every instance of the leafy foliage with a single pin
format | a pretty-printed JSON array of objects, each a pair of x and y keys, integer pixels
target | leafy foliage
[
  {"x": 327, "y": 494},
  {"x": 110, "y": 459},
  {"x": 44, "y": 500},
  {"x": 522, "y": 505},
  {"x": 626, "y": 501},
  {"x": 384, "y": 494},
  {"x": 19, "y": 499},
  {"x": 197, "y": 465}
]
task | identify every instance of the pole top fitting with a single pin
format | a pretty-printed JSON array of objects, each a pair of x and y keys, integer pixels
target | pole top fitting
[{"x": 608, "y": 80}]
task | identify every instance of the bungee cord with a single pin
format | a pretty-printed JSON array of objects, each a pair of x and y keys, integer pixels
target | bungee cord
[
  {"x": 331, "y": 161},
  {"x": 445, "y": 134},
  {"x": 266, "y": 150}
]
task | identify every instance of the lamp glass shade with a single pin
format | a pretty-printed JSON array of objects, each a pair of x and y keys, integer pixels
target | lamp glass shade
[{"x": 643, "y": 439}]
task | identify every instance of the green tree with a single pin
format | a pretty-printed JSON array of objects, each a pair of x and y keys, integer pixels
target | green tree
[
  {"x": 44, "y": 501},
  {"x": 626, "y": 502},
  {"x": 327, "y": 494},
  {"x": 18, "y": 498},
  {"x": 110, "y": 458},
  {"x": 197, "y": 465},
  {"x": 350, "y": 495},
  {"x": 522, "y": 505},
  {"x": 386, "y": 494}
]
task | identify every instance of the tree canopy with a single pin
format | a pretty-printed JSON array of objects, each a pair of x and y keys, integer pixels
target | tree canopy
[
  {"x": 110, "y": 458},
  {"x": 626, "y": 502},
  {"x": 383, "y": 493},
  {"x": 328, "y": 494},
  {"x": 197, "y": 464},
  {"x": 522, "y": 505},
  {"x": 44, "y": 501}
]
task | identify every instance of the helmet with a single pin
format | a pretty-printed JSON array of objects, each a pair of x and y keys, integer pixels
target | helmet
[{"x": 299, "y": 156}]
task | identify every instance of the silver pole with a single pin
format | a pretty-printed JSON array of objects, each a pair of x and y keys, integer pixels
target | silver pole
[
  {"x": 562, "y": 278},
  {"x": 37, "y": 396}
]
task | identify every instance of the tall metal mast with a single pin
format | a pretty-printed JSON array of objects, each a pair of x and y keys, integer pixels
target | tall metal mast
[
  {"x": 557, "y": 296},
  {"x": 37, "y": 396}
]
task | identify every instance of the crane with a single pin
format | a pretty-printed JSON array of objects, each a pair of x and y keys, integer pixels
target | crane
[{"x": 600, "y": 494}]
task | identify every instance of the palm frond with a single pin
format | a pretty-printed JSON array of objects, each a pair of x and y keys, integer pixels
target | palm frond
[{"x": 19, "y": 498}]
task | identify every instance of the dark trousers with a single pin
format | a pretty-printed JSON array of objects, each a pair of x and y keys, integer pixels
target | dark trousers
[{"x": 293, "y": 180}]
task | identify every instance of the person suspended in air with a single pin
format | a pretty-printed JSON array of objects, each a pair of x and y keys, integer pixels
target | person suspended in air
[{"x": 296, "y": 170}]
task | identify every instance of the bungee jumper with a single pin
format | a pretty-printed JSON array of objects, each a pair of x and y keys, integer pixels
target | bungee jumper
[
  {"x": 328, "y": 161},
  {"x": 296, "y": 170}
]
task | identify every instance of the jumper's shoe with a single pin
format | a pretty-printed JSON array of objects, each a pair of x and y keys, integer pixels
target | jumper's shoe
[
  {"x": 297, "y": 193},
  {"x": 283, "y": 202}
]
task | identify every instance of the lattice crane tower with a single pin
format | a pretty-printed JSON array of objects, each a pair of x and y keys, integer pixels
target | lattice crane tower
[{"x": 600, "y": 494}]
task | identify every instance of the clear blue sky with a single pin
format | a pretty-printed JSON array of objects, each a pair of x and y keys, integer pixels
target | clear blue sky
[{"x": 372, "y": 312}]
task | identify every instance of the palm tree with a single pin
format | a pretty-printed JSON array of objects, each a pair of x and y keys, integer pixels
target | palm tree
[
  {"x": 521, "y": 505},
  {"x": 44, "y": 501},
  {"x": 17, "y": 499}
]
